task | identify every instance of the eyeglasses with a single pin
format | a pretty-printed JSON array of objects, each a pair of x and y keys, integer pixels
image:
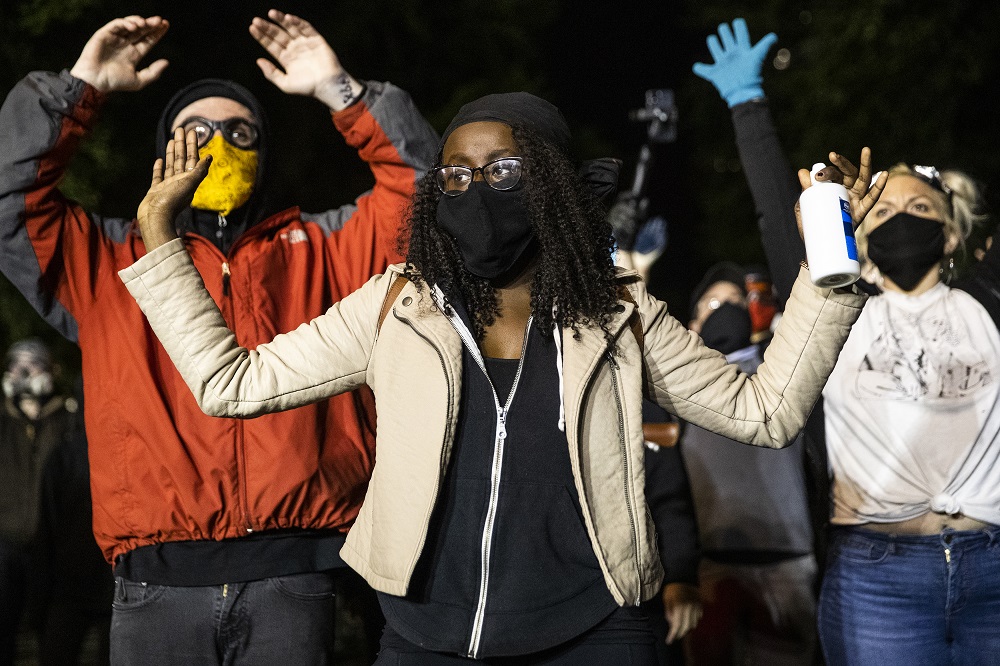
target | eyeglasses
[
  {"x": 240, "y": 132},
  {"x": 502, "y": 174}
]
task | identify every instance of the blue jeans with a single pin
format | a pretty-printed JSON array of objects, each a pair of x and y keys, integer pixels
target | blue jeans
[
  {"x": 283, "y": 620},
  {"x": 911, "y": 600}
]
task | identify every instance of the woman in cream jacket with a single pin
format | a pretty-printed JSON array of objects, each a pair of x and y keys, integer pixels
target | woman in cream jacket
[{"x": 505, "y": 514}]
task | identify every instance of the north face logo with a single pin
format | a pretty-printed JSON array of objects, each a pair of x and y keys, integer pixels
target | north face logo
[{"x": 295, "y": 236}]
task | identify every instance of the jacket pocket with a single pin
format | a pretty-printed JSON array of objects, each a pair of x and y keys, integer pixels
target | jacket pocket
[
  {"x": 542, "y": 547},
  {"x": 858, "y": 548},
  {"x": 318, "y": 586}
]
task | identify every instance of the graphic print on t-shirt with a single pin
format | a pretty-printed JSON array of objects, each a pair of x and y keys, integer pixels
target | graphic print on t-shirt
[{"x": 921, "y": 355}]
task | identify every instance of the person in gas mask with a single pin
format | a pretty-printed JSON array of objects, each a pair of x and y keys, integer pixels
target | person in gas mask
[
  {"x": 215, "y": 528},
  {"x": 757, "y": 569},
  {"x": 506, "y": 513},
  {"x": 34, "y": 424}
]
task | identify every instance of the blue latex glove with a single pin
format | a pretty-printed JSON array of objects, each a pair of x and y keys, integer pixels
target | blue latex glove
[{"x": 736, "y": 70}]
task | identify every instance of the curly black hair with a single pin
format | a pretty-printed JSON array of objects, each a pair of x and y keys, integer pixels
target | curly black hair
[{"x": 575, "y": 272}]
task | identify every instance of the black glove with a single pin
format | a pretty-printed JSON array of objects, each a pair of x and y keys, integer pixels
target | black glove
[{"x": 624, "y": 219}]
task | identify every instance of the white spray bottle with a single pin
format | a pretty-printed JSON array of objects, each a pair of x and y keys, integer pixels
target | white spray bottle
[{"x": 828, "y": 230}]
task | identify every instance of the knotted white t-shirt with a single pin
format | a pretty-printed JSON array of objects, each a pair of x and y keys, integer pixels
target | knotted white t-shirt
[{"x": 911, "y": 411}]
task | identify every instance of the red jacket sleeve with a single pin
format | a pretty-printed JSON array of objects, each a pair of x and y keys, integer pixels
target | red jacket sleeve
[
  {"x": 52, "y": 250},
  {"x": 399, "y": 146}
]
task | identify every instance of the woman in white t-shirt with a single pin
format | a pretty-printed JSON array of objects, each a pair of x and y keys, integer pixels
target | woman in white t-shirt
[{"x": 911, "y": 426}]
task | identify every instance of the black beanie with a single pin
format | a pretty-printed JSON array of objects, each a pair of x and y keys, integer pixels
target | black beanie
[
  {"x": 525, "y": 110},
  {"x": 516, "y": 108}
]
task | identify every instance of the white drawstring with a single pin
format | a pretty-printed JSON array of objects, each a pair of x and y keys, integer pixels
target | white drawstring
[{"x": 557, "y": 336}]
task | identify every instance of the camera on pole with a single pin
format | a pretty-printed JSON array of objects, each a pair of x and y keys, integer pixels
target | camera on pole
[{"x": 660, "y": 113}]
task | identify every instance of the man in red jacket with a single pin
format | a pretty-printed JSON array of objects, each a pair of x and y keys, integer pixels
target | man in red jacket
[{"x": 222, "y": 532}]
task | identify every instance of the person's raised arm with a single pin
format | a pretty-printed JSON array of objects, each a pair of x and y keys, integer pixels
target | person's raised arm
[
  {"x": 736, "y": 74},
  {"x": 51, "y": 249},
  {"x": 769, "y": 408},
  {"x": 378, "y": 119},
  {"x": 110, "y": 59},
  {"x": 227, "y": 379}
]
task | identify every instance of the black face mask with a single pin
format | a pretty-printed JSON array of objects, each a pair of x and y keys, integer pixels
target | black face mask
[
  {"x": 905, "y": 247},
  {"x": 728, "y": 329},
  {"x": 492, "y": 228}
]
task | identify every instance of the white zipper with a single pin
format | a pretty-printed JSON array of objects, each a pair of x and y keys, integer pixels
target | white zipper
[{"x": 495, "y": 473}]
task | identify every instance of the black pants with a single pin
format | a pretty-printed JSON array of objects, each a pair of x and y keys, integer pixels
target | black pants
[{"x": 593, "y": 648}]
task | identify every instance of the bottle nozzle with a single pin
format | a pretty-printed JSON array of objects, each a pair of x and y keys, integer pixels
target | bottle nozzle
[{"x": 819, "y": 166}]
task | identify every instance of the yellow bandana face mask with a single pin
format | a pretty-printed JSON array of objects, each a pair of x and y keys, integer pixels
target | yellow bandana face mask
[{"x": 230, "y": 181}]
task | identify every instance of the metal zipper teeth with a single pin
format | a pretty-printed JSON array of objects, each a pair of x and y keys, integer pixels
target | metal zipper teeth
[
  {"x": 495, "y": 474},
  {"x": 628, "y": 473},
  {"x": 448, "y": 422},
  {"x": 241, "y": 458}
]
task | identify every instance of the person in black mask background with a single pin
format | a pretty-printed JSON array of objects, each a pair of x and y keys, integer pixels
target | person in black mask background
[
  {"x": 224, "y": 534},
  {"x": 757, "y": 570}
]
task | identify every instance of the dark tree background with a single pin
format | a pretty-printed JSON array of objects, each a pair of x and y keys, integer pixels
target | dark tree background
[{"x": 915, "y": 80}]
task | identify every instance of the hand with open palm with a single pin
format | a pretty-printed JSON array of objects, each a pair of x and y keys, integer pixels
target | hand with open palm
[
  {"x": 308, "y": 65},
  {"x": 111, "y": 57},
  {"x": 175, "y": 180}
]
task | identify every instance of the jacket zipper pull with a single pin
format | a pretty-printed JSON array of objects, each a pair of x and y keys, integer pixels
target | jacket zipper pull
[
  {"x": 611, "y": 359},
  {"x": 225, "y": 278},
  {"x": 223, "y": 223},
  {"x": 502, "y": 420}
]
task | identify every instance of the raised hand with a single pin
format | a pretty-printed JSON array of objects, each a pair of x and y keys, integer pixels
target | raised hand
[
  {"x": 736, "y": 70},
  {"x": 110, "y": 58},
  {"x": 175, "y": 180},
  {"x": 862, "y": 191},
  {"x": 308, "y": 65}
]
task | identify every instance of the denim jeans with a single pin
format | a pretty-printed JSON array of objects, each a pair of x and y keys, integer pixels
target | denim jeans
[
  {"x": 283, "y": 620},
  {"x": 911, "y": 600}
]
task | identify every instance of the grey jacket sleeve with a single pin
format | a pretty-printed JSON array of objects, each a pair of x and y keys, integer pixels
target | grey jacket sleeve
[
  {"x": 398, "y": 143},
  {"x": 52, "y": 250},
  {"x": 319, "y": 359}
]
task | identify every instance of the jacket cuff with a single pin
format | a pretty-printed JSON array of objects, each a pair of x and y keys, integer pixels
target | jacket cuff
[
  {"x": 148, "y": 265},
  {"x": 850, "y": 297},
  {"x": 345, "y": 118},
  {"x": 89, "y": 99}
]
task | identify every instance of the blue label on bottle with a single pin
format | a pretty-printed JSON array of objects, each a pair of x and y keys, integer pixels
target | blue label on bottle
[{"x": 845, "y": 215}]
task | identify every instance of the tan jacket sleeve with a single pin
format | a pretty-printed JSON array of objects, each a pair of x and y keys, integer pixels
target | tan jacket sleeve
[
  {"x": 321, "y": 358},
  {"x": 770, "y": 407}
]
